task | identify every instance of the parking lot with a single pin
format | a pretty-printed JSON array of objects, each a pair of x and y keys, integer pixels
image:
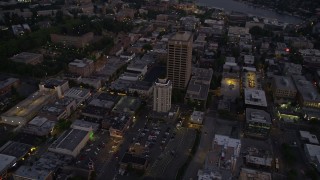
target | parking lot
[{"x": 98, "y": 151}]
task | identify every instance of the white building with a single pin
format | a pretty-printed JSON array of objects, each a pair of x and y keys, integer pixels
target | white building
[
  {"x": 197, "y": 117},
  {"x": 162, "y": 95},
  {"x": 70, "y": 142},
  {"x": 256, "y": 98}
]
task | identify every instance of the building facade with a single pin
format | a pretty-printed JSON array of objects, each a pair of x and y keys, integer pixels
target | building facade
[
  {"x": 179, "y": 59},
  {"x": 162, "y": 95}
]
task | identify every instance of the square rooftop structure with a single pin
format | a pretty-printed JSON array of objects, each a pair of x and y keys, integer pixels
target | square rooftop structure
[
  {"x": 70, "y": 142},
  {"x": 311, "y": 138},
  {"x": 28, "y": 58},
  {"x": 15, "y": 149},
  {"x": 258, "y": 116},
  {"x": 255, "y": 97},
  {"x": 197, "y": 117}
]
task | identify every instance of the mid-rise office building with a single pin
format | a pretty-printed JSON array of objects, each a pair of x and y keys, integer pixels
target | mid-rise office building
[
  {"x": 283, "y": 87},
  {"x": 179, "y": 59},
  {"x": 162, "y": 95}
]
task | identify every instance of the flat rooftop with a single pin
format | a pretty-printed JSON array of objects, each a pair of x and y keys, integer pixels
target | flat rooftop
[
  {"x": 70, "y": 139},
  {"x": 182, "y": 36},
  {"x": 25, "y": 57},
  {"x": 142, "y": 85},
  {"x": 284, "y": 82},
  {"x": 15, "y": 149},
  {"x": 41, "y": 168},
  {"x": 81, "y": 63},
  {"x": 127, "y": 104},
  {"x": 255, "y": 97},
  {"x": 312, "y": 149},
  {"x": 306, "y": 89},
  {"x": 119, "y": 122},
  {"x": 51, "y": 83},
  {"x": 8, "y": 82},
  {"x": 77, "y": 92},
  {"x": 310, "y": 137},
  {"x": 257, "y": 115},
  {"x": 32, "y": 103},
  {"x": 6, "y": 161},
  {"x": 251, "y": 174},
  {"x": 85, "y": 124}
]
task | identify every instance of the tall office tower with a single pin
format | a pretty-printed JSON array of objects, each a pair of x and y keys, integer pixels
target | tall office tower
[
  {"x": 162, "y": 95},
  {"x": 179, "y": 59}
]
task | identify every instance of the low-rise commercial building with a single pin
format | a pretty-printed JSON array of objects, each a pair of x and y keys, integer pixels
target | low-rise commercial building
[
  {"x": 308, "y": 95},
  {"x": 40, "y": 126},
  {"x": 225, "y": 151},
  {"x": 283, "y": 88},
  {"x": 84, "y": 125},
  {"x": 76, "y": 41},
  {"x": 258, "y": 123},
  {"x": 83, "y": 67},
  {"x": 255, "y": 99},
  {"x": 41, "y": 169},
  {"x": 128, "y": 105},
  {"x": 119, "y": 124},
  {"x": 312, "y": 152},
  {"x": 235, "y": 34},
  {"x": 251, "y": 174},
  {"x": 58, "y": 85},
  {"x": 16, "y": 149},
  {"x": 291, "y": 69},
  {"x": 7, "y": 85},
  {"x": 28, "y": 58},
  {"x": 197, "y": 117},
  {"x": 79, "y": 94},
  {"x": 28, "y": 108},
  {"x": 199, "y": 85},
  {"x": 257, "y": 161},
  {"x": 6, "y": 162},
  {"x": 248, "y": 59},
  {"x": 70, "y": 142},
  {"x": 59, "y": 109},
  {"x": 308, "y": 137},
  {"x": 143, "y": 89}
]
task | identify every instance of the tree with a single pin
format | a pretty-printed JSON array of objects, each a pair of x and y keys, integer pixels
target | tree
[{"x": 147, "y": 47}]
